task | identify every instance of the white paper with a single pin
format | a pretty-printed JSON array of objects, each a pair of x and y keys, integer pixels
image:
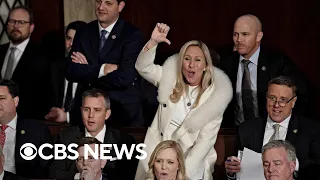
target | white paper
[{"x": 251, "y": 166}]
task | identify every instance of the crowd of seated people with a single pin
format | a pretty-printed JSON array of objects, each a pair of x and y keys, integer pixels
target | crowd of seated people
[{"x": 95, "y": 88}]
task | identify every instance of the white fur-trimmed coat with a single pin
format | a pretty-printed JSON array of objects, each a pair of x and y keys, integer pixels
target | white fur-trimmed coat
[{"x": 198, "y": 132}]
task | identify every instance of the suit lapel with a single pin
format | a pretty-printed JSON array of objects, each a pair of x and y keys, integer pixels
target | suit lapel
[
  {"x": 258, "y": 135},
  {"x": 3, "y": 52},
  {"x": 94, "y": 37},
  {"x": 234, "y": 70},
  {"x": 293, "y": 130},
  {"x": 262, "y": 72},
  {"x": 114, "y": 34},
  {"x": 20, "y": 139}
]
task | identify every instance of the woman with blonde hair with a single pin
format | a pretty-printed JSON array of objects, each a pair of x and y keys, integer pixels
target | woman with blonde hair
[
  {"x": 192, "y": 95},
  {"x": 167, "y": 162}
]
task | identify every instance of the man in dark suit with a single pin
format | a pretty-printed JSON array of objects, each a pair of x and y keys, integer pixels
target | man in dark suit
[
  {"x": 25, "y": 63},
  {"x": 63, "y": 90},
  {"x": 303, "y": 133},
  {"x": 89, "y": 169},
  {"x": 95, "y": 111},
  {"x": 16, "y": 131},
  {"x": 250, "y": 68},
  {"x": 103, "y": 55}
]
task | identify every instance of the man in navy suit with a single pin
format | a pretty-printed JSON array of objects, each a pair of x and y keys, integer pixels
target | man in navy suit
[
  {"x": 250, "y": 67},
  {"x": 25, "y": 62},
  {"x": 16, "y": 131},
  {"x": 103, "y": 56}
]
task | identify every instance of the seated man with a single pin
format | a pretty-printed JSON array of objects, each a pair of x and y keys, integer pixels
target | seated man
[
  {"x": 95, "y": 111},
  {"x": 301, "y": 132},
  {"x": 89, "y": 169},
  {"x": 6, "y": 175},
  {"x": 16, "y": 131},
  {"x": 279, "y": 160}
]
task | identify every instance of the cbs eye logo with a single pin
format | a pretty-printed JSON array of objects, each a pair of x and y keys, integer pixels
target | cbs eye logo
[{"x": 28, "y": 151}]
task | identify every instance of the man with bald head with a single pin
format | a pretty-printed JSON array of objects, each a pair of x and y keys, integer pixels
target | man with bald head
[{"x": 250, "y": 67}]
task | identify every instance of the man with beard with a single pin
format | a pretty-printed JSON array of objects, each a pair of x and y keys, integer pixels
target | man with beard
[
  {"x": 25, "y": 63},
  {"x": 250, "y": 67}
]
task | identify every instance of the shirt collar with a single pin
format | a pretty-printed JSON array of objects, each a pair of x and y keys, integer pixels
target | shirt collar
[
  {"x": 109, "y": 28},
  {"x": 22, "y": 46},
  {"x": 2, "y": 174},
  {"x": 253, "y": 58},
  {"x": 284, "y": 123},
  {"x": 99, "y": 136},
  {"x": 13, "y": 123}
]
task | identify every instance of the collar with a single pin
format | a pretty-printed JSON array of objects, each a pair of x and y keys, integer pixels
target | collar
[
  {"x": 109, "y": 28},
  {"x": 253, "y": 58},
  {"x": 99, "y": 136},
  {"x": 22, "y": 46},
  {"x": 284, "y": 123}
]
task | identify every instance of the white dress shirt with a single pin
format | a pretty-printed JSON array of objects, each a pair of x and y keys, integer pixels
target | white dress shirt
[
  {"x": 99, "y": 136},
  {"x": 108, "y": 29},
  {"x": 1, "y": 175},
  {"x": 74, "y": 88},
  {"x": 283, "y": 129},
  {"x": 77, "y": 176},
  {"x": 17, "y": 55},
  {"x": 10, "y": 146}
]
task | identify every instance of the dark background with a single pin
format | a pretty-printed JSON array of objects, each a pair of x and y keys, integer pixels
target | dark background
[{"x": 291, "y": 26}]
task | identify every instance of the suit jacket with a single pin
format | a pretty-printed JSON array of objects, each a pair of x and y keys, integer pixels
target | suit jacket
[
  {"x": 66, "y": 169},
  {"x": 303, "y": 134},
  {"x": 58, "y": 70},
  {"x": 11, "y": 176},
  {"x": 270, "y": 64},
  {"x": 121, "y": 48},
  {"x": 33, "y": 78},
  {"x": 199, "y": 130},
  {"x": 37, "y": 133}
]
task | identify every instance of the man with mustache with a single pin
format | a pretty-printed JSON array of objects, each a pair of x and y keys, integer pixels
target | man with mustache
[
  {"x": 250, "y": 68},
  {"x": 25, "y": 63}
]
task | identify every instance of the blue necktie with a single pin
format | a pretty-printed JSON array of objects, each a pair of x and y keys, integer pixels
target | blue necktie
[{"x": 102, "y": 39}]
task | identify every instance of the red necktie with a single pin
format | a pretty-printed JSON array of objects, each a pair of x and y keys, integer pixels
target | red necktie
[{"x": 3, "y": 134}]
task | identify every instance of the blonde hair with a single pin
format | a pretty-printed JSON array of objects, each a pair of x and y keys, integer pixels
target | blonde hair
[
  {"x": 207, "y": 77},
  {"x": 181, "y": 174}
]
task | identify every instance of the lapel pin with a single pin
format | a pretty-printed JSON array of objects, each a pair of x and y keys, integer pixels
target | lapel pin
[
  {"x": 23, "y": 132},
  {"x": 295, "y": 131},
  {"x": 263, "y": 68},
  {"x": 114, "y": 36}
]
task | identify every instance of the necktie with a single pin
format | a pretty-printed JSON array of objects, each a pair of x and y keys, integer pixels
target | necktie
[
  {"x": 246, "y": 92},
  {"x": 3, "y": 135},
  {"x": 275, "y": 135},
  {"x": 102, "y": 39},
  {"x": 9, "y": 69},
  {"x": 68, "y": 99}
]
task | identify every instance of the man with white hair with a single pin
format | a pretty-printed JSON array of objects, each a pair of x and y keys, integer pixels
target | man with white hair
[{"x": 279, "y": 160}]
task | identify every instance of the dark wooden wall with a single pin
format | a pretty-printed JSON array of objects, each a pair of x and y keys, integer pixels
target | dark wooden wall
[{"x": 291, "y": 26}]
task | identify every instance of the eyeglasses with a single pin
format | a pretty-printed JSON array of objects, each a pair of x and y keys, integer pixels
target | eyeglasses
[
  {"x": 282, "y": 102},
  {"x": 90, "y": 159},
  {"x": 21, "y": 23}
]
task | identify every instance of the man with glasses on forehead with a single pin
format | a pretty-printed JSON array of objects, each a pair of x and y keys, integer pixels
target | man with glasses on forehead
[
  {"x": 25, "y": 62},
  {"x": 281, "y": 124}
]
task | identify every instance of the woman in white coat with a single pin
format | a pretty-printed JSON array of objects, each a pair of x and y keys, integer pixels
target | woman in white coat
[{"x": 192, "y": 95}]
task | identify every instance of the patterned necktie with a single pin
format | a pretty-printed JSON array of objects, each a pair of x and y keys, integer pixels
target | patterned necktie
[
  {"x": 102, "y": 39},
  {"x": 68, "y": 99},
  {"x": 3, "y": 134},
  {"x": 275, "y": 135},
  {"x": 246, "y": 92},
  {"x": 9, "y": 69}
]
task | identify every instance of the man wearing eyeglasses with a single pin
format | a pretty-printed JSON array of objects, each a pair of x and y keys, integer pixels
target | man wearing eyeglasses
[
  {"x": 281, "y": 124},
  {"x": 25, "y": 62},
  {"x": 91, "y": 168}
]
